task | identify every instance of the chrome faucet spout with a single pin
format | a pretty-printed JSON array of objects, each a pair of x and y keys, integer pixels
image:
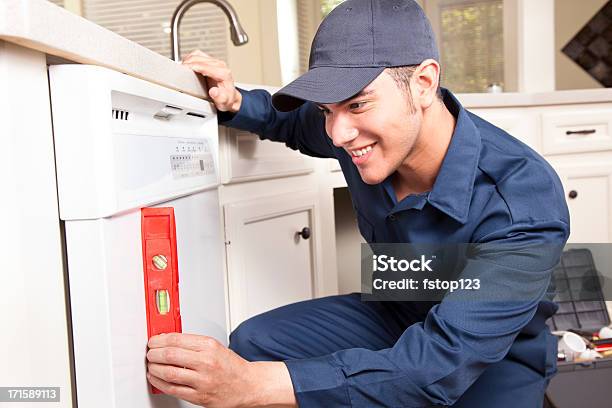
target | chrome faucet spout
[{"x": 238, "y": 35}]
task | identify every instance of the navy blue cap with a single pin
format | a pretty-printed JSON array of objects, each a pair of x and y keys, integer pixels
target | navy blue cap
[{"x": 353, "y": 46}]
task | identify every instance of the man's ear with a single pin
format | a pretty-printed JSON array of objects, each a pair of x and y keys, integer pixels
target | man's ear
[{"x": 426, "y": 79}]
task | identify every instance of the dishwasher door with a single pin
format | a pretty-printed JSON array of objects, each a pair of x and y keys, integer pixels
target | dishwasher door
[{"x": 122, "y": 145}]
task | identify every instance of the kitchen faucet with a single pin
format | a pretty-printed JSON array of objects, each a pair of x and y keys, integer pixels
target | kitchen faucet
[{"x": 239, "y": 36}]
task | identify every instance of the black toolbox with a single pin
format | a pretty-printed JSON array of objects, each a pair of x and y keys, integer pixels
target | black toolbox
[{"x": 582, "y": 307}]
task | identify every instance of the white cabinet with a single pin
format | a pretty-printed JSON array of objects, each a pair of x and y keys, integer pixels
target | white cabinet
[
  {"x": 573, "y": 129},
  {"x": 521, "y": 123},
  {"x": 35, "y": 342},
  {"x": 245, "y": 157},
  {"x": 269, "y": 194},
  {"x": 271, "y": 252},
  {"x": 569, "y": 134},
  {"x": 588, "y": 191},
  {"x": 576, "y": 140}
]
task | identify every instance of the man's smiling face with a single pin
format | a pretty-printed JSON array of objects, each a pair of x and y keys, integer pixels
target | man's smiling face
[{"x": 378, "y": 128}]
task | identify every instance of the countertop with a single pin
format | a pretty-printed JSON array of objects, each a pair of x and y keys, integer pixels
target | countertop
[
  {"x": 43, "y": 26},
  {"x": 515, "y": 99}
]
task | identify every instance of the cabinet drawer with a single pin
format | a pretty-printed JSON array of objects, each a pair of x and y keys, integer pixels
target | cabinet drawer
[
  {"x": 519, "y": 122},
  {"x": 245, "y": 157},
  {"x": 577, "y": 130}
]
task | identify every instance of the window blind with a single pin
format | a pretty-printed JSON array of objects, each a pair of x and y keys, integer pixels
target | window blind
[
  {"x": 147, "y": 22},
  {"x": 310, "y": 14},
  {"x": 328, "y": 5},
  {"x": 470, "y": 38},
  {"x": 309, "y": 17},
  {"x": 471, "y": 44},
  {"x": 58, "y": 2}
]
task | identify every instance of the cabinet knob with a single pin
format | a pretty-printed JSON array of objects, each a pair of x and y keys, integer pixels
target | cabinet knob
[
  {"x": 573, "y": 194},
  {"x": 304, "y": 233}
]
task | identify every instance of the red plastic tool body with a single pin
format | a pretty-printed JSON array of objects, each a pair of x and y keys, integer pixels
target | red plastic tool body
[{"x": 159, "y": 239}]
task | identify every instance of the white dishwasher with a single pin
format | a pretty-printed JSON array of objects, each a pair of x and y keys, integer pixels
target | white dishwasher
[{"x": 137, "y": 171}]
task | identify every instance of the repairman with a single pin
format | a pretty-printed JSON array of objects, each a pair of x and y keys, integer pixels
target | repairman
[{"x": 420, "y": 169}]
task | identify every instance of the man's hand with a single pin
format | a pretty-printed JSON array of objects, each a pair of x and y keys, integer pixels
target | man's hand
[
  {"x": 219, "y": 79},
  {"x": 202, "y": 371}
]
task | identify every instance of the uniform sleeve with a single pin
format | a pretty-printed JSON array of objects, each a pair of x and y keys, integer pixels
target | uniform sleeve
[
  {"x": 436, "y": 361},
  {"x": 302, "y": 129}
]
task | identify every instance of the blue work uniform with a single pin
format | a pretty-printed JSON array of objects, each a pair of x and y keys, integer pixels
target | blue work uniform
[{"x": 342, "y": 352}]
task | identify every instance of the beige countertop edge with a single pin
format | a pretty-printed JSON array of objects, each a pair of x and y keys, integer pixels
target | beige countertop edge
[
  {"x": 45, "y": 27},
  {"x": 514, "y": 99}
]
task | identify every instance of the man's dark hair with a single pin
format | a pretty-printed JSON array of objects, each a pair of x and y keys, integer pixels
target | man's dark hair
[{"x": 402, "y": 75}]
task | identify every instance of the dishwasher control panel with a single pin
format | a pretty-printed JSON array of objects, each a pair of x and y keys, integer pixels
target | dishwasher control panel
[
  {"x": 192, "y": 159},
  {"x": 122, "y": 143}
]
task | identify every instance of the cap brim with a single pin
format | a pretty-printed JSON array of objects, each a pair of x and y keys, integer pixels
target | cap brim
[{"x": 325, "y": 85}]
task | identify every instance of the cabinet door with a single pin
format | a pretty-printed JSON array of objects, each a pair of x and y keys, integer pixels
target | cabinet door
[
  {"x": 588, "y": 190},
  {"x": 269, "y": 262}
]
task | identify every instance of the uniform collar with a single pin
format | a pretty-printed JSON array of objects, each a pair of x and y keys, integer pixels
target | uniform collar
[{"x": 452, "y": 190}]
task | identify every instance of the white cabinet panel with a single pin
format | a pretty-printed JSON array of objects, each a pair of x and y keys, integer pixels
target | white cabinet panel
[
  {"x": 577, "y": 129},
  {"x": 269, "y": 263},
  {"x": 34, "y": 344},
  {"x": 519, "y": 122},
  {"x": 246, "y": 157},
  {"x": 588, "y": 190},
  {"x": 274, "y": 258}
]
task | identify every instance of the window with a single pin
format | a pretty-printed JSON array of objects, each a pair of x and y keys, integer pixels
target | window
[
  {"x": 470, "y": 36},
  {"x": 471, "y": 42},
  {"x": 310, "y": 14},
  {"x": 328, "y": 5},
  {"x": 147, "y": 22}
]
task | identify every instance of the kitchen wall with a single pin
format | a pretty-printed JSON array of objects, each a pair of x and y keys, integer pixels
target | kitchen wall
[
  {"x": 258, "y": 18},
  {"x": 257, "y": 62},
  {"x": 260, "y": 60},
  {"x": 570, "y": 17}
]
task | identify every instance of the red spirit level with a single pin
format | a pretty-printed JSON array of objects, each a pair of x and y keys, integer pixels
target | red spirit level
[{"x": 160, "y": 267}]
